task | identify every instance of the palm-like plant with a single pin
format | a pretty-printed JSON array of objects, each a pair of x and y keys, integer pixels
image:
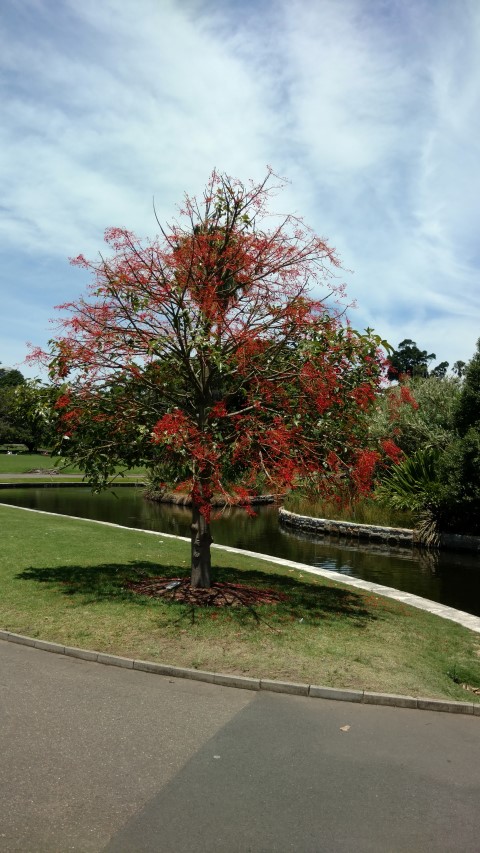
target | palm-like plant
[{"x": 413, "y": 485}]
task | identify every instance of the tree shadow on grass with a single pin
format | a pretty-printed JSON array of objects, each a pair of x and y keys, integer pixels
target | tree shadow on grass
[
  {"x": 104, "y": 581},
  {"x": 299, "y": 600},
  {"x": 307, "y": 601}
]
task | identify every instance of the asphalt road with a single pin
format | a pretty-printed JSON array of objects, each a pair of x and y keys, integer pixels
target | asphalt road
[{"x": 97, "y": 758}]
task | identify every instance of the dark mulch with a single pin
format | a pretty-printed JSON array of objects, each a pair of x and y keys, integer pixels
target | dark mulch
[{"x": 219, "y": 595}]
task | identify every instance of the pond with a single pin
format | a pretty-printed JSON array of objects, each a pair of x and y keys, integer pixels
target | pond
[{"x": 449, "y": 577}]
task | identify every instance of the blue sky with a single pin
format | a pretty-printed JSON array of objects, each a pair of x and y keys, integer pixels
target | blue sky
[{"x": 371, "y": 109}]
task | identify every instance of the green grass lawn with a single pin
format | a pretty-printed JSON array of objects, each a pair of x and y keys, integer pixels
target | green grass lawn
[
  {"x": 22, "y": 463},
  {"x": 64, "y": 580}
]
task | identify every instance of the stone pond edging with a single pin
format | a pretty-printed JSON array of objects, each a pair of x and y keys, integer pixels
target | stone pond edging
[
  {"x": 371, "y": 533},
  {"x": 186, "y": 501}
]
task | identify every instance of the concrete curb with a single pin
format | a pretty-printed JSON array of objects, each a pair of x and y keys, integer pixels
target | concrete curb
[{"x": 243, "y": 682}]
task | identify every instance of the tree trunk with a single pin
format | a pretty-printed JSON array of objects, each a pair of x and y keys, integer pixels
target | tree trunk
[{"x": 201, "y": 540}]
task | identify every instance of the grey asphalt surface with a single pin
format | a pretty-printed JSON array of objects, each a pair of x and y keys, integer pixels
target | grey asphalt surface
[{"x": 97, "y": 758}]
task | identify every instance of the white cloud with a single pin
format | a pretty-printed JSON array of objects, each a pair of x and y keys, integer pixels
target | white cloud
[
  {"x": 371, "y": 109},
  {"x": 348, "y": 95},
  {"x": 153, "y": 109}
]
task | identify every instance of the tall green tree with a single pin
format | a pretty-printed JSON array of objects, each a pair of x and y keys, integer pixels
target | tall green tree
[
  {"x": 11, "y": 432},
  {"x": 33, "y": 414},
  {"x": 459, "y": 368},
  {"x": 467, "y": 413},
  {"x": 440, "y": 476},
  {"x": 10, "y": 377},
  {"x": 440, "y": 370},
  {"x": 409, "y": 360},
  {"x": 460, "y": 465},
  {"x": 418, "y": 413}
]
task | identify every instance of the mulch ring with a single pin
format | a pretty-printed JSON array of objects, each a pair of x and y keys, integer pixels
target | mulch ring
[{"x": 220, "y": 594}]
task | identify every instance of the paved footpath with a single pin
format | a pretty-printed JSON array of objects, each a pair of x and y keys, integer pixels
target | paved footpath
[{"x": 98, "y": 758}]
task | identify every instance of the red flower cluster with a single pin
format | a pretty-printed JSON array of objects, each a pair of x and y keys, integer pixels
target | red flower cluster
[
  {"x": 392, "y": 450},
  {"x": 218, "y": 410},
  {"x": 174, "y": 428},
  {"x": 364, "y": 469},
  {"x": 406, "y": 396},
  {"x": 364, "y": 395}
]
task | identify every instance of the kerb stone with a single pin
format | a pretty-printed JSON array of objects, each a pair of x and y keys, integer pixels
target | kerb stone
[
  {"x": 317, "y": 692},
  {"x": 83, "y": 654},
  {"x": 284, "y": 687},
  {"x": 113, "y": 660},
  {"x": 445, "y": 705},
  {"x": 238, "y": 681},
  {"x": 56, "y": 648},
  {"x": 389, "y": 699}
]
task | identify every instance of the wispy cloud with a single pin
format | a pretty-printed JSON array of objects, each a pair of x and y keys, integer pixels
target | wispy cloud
[{"x": 371, "y": 110}]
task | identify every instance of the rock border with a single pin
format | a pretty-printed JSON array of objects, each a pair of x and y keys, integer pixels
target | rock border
[
  {"x": 399, "y": 537},
  {"x": 185, "y": 500},
  {"x": 371, "y": 532}
]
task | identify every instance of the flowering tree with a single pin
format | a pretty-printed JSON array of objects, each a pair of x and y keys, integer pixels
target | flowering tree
[{"x": 202, "y": 355}]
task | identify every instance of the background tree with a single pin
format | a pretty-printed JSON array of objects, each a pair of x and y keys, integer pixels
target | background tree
[
  {"x": 10, "y": 431},
  {"x": 203, "y": 354},
  {"x": 33, "y": 414},
  {"x": 10, "y": 377},
  {"x": 418, "y": 413},
  {"x": 409, "y": 360},
  {"x": 459, "y": 368},
  {"x": 467, "y": 413},
  {"x": 440, "y": 371},
  {"x": 459, "y": 469},
  {"x": 440, "y": 477},
  {"x": 26, "y": 413}
]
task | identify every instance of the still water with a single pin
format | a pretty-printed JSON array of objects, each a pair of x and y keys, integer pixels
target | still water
[{"x": 451, "y": 578}]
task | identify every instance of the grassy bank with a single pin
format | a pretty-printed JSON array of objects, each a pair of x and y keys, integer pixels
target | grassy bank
[{"x": 64, "y": 580}]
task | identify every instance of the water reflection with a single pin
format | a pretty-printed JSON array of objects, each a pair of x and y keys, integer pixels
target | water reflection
[{"x": 452, "y": 578}]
